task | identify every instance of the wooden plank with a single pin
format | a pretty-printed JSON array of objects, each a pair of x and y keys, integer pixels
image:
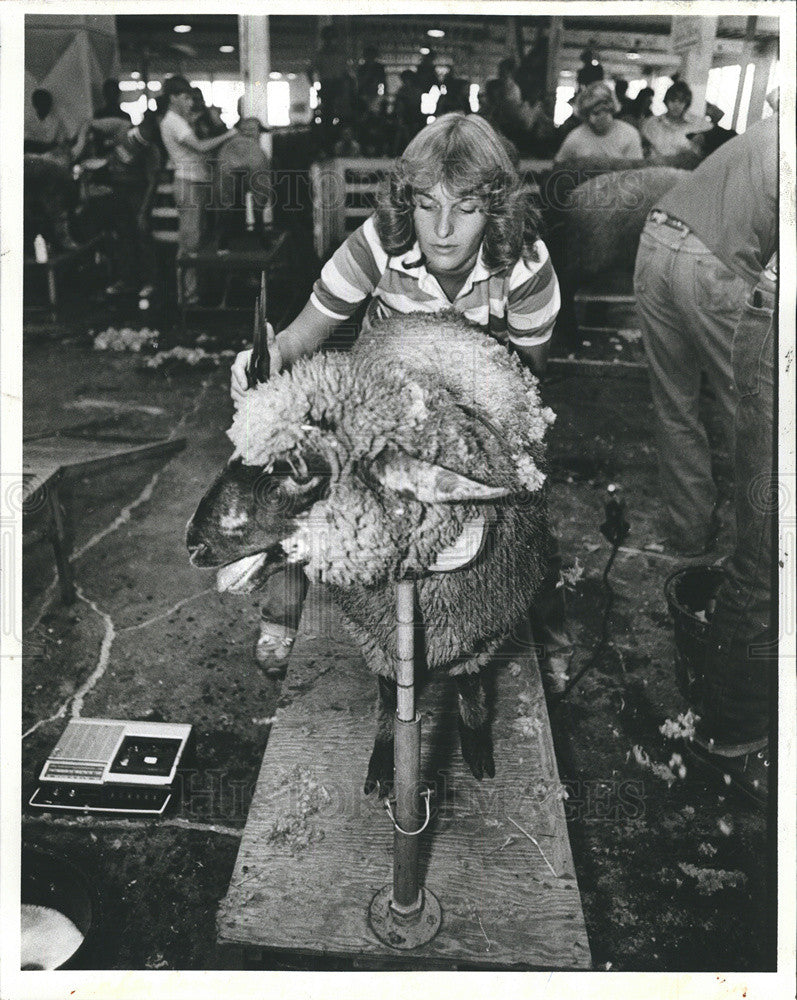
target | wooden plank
[
  {"x": 75, "y": 457},
  {"x": 315, "y": 850}
]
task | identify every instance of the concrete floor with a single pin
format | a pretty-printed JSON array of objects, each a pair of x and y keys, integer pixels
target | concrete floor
[{"x": 150, "y": 638}]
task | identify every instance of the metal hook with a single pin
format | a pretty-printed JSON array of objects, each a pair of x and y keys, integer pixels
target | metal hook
[{"x": 425, "y": 794}]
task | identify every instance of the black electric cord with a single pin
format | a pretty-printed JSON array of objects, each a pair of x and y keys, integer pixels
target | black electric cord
[{"x": 615, "y": 529}]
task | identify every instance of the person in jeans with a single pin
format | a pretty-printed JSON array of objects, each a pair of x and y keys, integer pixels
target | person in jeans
[
  {"x": 699, "y": 253},
  {"x": 134, "y": 166},
  {"x": 192, "y": 188},
  {"x": 742, "y": 657},
  {"x": 705, "y": 294}
]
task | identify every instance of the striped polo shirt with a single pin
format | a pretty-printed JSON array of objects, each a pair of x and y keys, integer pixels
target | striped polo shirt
[{"x": 519, "y": 303}]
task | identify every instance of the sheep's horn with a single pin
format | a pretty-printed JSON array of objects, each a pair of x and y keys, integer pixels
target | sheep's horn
[{"x": 412, "y": 477}]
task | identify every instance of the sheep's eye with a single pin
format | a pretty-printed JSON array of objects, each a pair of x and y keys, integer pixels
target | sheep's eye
[
  {"x": 292, "y": 483},
  {"x": 299, "y": 476}
]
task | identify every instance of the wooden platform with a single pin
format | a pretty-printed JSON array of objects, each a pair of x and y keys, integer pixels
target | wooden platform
[
  {"x": 315, "y": 849},
  {"x": 55, "y": 459}
]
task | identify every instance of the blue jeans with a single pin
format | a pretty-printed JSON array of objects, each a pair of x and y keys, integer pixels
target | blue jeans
[
  {"x": 689, "y": 303},
  {"x": 742, "y": 651}
]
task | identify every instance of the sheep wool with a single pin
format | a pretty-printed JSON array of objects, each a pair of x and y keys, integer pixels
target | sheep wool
[{"x": 428, "y": 386}]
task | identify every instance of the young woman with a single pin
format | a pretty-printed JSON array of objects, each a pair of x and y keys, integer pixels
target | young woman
[
  {"x": 602, "y": 137},
  {"x": 667, "y": 135},
  {"x": 453, "y": 230}
]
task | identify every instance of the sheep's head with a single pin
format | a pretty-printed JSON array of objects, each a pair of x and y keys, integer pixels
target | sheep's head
[{"x": 359, "y": 466}]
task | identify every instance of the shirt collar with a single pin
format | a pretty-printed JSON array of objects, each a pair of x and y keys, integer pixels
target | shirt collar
[{"x": 410, "y": 263}]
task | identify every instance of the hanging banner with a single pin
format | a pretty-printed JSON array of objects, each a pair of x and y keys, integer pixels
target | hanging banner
[{"x": 71, "y": 56}]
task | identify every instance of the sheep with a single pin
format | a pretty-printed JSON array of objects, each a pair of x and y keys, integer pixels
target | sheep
[{"x": 383, "y": 462}]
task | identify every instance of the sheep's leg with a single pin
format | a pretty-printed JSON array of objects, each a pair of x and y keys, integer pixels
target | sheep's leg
[
  {"x": 474, "y": 727},
  {"x": 380, "y": 766}
]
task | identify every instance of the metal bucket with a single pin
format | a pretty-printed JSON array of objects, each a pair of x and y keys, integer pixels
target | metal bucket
[
  {"x": 690, "y": 594},
  {"x": 59, "y": 911}
]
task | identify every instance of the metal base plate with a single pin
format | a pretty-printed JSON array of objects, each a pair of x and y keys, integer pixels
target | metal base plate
[{"x": 404, "y": 933}]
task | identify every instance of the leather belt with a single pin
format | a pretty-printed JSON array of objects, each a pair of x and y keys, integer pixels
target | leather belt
[{"x": 656, "y": 215}]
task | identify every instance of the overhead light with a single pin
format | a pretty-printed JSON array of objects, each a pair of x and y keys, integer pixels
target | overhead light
[
  {"x": 154, "y": 85},
  {"x": 182, "y": 29},
  {"x": 226, "y": 49},
  {"x": 135, "y": 76},
  {"x": 436, "y": 33},
  {"x": 273, "y": 75},
  {"x": 126, "y": 85},
  {"x": 425, "y": 51},
  {"x": 291, "y": 76}
]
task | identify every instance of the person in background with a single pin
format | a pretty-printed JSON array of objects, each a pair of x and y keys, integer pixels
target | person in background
[
  {"x": 708, "y": 142},
  {"x": 112, "y": 99},
  {"x": 426, "y": 72},
  {"x": 707, "y": 305},
  {"x": 347, "y": 145},
  {"x": 331, "y": 69},
  {"x": 591, "y": 70},
  {"x": 407, "y": 111},
  {"x": 453, "y": 229},
  {"x": 511, "y": 115},
  {"x": 639, "y": 109},
  {"x": 192, "y": 189},
  {"x": 46, "y": 133},
  {"x": 456, "y": 97},
  {"x": 667, "y": 135},
  {"x": 624, "y": 101},
  {"x": 134, "y": 166},
  {"x": 371, "y": 83},
  {"x": 206, "y": 119},
  {"x": 250, "y": 127},
  {"x": 602, "y": 138}
]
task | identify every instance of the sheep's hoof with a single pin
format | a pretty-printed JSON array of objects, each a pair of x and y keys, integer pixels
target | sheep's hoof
[
  {"x": 380, "y": 769},
  {"x": 477, "y": 749}
]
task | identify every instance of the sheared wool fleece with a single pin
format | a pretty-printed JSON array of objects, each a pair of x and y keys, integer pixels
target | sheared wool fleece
[{"x": 440, "y": 390}]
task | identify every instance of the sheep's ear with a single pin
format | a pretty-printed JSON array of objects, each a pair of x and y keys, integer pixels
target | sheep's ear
[{"x": 412, "y": 477}]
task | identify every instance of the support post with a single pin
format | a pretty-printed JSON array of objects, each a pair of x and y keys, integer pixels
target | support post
[
  {"x": 745, "y": 58},
  {"x": 406, "y": 915},
  {"x": 255, "y": 55},
  {"x": 554, "y": 45},
  {"x": 407, "y": 758},
  {"x": 694, "y": 37}
]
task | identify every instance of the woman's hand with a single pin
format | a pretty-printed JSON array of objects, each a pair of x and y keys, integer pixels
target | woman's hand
[{"x": 239, "y": 381}]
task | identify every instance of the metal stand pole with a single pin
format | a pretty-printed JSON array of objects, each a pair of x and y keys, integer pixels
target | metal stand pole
[{"x": 405, "y": 914}]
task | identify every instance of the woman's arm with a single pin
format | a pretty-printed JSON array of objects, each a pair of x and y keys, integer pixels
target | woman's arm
[
  {"x": 535, "y": 358},
  {"x": 301, "y": 337},
  {"x": 305, "y": 334},
  {"x": 206, "y": 145}
]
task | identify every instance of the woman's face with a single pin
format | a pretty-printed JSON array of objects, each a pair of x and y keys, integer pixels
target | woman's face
[
  {"x": 449, "y": 229},
  {"x": 600, "y": 119},
  {"x": 676, "y": 108}
]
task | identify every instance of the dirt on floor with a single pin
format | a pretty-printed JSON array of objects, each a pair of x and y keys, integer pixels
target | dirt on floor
[{"x": 674, "y": 873}]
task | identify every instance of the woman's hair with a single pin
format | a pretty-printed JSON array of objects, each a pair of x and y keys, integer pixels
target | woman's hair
[
  {"x": 592, "y": 95},
  {"x": 679, "y": 91},
  {"x": 466, "y": 156}
]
